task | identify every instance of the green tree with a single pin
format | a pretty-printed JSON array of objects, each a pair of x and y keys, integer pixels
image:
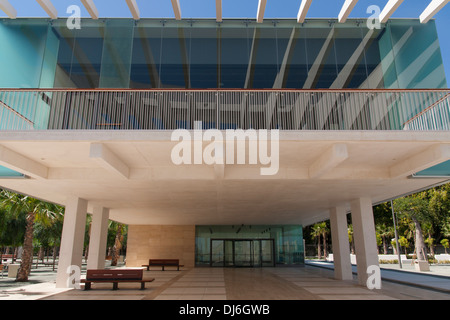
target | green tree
[
  {"x": 445, "y": 244},
  {"x": 48, "y": 234},
  {"x": 439, "y": 206},
  {"x": 403, "y": 242},
  {"x": 416, "y": 208},
  {"x": 12, "y": 230},
  {"x": 35, "y": 210}
]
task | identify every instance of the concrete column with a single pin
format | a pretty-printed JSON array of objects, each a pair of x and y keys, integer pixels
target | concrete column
[
  {"x": 341, "y": 249},
  {"x": 72, "y": 239},
  {"x": 97, "y": 242},
  {"x": 364, "y": 236}
]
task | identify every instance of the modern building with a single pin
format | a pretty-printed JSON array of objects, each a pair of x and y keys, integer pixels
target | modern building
[{"x": 217, "y": 140}]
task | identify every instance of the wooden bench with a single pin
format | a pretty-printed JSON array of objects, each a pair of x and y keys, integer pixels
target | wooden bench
[
  {"x": 115, "y": 276},
  {"x": 163, "y": 263}
]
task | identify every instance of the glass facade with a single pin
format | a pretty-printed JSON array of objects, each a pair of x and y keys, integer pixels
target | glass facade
[
  {"x": 233, "y": 54},
  {"x": 199, "y": 54},
  {"x": 249, "y": 246}
]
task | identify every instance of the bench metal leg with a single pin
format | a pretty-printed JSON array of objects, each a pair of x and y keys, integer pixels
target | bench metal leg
[
  {"x": 142, "y": 285},
  {"x": 87, "y": 286},
  {"x": 115, "y": 286}
]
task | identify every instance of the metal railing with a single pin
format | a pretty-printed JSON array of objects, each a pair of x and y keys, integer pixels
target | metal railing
[
  {"x": 116, "y": 109},
  {"x": 436, "y": 117}
]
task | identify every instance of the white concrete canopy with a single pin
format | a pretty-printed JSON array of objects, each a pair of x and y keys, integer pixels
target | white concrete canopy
[
  {"x": 134, "y": 9},
  {"x": 91, "y": 8},
  {"x": 346, "y": 10},
  {"x": 176, "y": 9},
  {"x": 389, "y": 10},
  {"x": 304, "y": 7},
  {"x": 312, "y": 178},
  {"x": 433, "y": 8},
  {"x": 218, "y": 10},
  {"x": 261, "y": 10},
  {"x": 48, "y": 6},
  {"x": 7, "y": 8}
]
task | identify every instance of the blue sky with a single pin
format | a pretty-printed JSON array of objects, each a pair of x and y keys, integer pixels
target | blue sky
[{"x": 245, "y": 9}]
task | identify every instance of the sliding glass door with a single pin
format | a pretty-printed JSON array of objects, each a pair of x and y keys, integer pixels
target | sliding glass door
[{"x": 242, "y": 253}]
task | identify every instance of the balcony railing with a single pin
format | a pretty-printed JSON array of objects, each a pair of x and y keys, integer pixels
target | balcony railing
[{"x": 74, "y": 109}]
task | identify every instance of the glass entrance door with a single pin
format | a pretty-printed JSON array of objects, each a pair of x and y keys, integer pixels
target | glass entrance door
[{"x": 242, "y": 253}]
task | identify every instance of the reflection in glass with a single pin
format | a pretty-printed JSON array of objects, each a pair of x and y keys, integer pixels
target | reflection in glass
[
  {"x": 236, "y": 53},
  {"x": 249, "y": 246}
]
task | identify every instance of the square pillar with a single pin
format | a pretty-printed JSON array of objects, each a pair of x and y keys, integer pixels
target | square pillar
[
  {"x": 98, "y": 238},
  {"x": 72, "y": 239},
  {"x": 364, "y": 236},
  {"x": 341, "y": 248}
]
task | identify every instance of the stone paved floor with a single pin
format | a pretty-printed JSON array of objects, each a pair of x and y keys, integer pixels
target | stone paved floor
[{"x": 281, "y": 283}]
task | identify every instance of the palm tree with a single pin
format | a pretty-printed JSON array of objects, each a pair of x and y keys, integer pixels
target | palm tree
[
  {"x": 385, "y": 233},
  {"x": 118, "y": 241},
  {"x": 324, "y": 230},
  {"x": 35, "y": 209},
  {"x": 316, "y": 232},
  {"x": 350, "y": 238}
]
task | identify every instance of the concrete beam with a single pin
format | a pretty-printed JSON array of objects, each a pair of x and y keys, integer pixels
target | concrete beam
[
  {"x": 389, "y": 9},
  {"x": 433, "y": 8},
  {"x": 108, "y": 159},
  {"x": 91, "y": 8},
  {"x": 304, "y": 7},
  {"x": 176, "y": 9},
  {"x": 219, "y": 10},
  {"x": 261, "y": 10},
  {"x": 346, "y": 10},
  {"x": 421, "y": 161},
  {"x": 48, "y": 6},
  {"x": 17, "y": 162},
  {"x": 330, "y": 159},
  {"x": 132, "y": 5},
  {"x": 7, "y": 8}
]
